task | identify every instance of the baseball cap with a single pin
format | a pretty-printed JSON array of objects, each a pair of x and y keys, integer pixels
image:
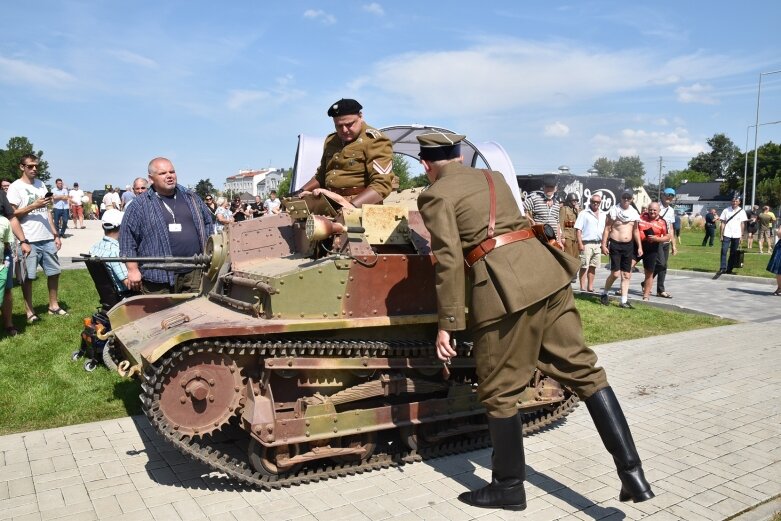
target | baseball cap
[
  {"x": 669, "y": 191},
  {"x": 111, "y": 219}
]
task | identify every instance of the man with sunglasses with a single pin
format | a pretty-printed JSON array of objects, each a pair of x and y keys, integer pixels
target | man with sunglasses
[
  {"x": 621, "y": 240},
  {"x": 357, "y": 161},
  {"x": 588, "y": 228},
  {"x": 31, "y": 200}
]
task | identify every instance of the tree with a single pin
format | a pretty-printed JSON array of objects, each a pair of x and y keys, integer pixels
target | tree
[
  {"x": 719, "y": 161},
  {"x": 12, "y": 154},
  {"x": 768, "y": 168},
  {"x": 401, "y": 171},
  {"x": 769, "y": 192},
  {"x": 284, "y": 185},
  {"x": 204, "y": 188},
  {"x": 676, "y": 178},
  {"x": 419, "y": 181},
  {"x": 631, "y": 169},
  {"x": 605, "y": 167}
]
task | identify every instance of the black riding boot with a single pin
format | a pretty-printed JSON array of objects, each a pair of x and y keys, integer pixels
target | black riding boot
[
  {"x": 508, "y": 468},
  {"x": 614, "y": 431}
]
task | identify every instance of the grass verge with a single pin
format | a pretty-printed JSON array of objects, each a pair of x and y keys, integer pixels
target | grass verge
[
  {"x": 40, "y": 387},
  {"x": 695, "y": 257}
]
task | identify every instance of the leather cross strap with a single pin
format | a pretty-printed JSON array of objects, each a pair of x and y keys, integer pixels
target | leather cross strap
[
  {"x": 488, "y": 245},
  {"x": 492, "y": 210}
]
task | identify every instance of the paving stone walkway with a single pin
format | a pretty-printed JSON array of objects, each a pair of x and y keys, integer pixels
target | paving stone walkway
[{"x": 703, "y": 406}]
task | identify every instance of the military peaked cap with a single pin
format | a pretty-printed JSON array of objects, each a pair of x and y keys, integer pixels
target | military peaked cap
[
  {"x": 437, "y": 145},
  {"x": 344, "y": 107}
]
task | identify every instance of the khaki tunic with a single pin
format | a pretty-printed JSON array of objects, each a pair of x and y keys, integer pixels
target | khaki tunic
[
  {"x": 567, "y": 216},
  {"x": 365, "y": 162},
  {"x": 521, "y": 305}
]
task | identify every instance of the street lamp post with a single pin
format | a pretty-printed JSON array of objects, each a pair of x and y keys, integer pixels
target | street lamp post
[
  {"x": 745, "y": 166},
  {"x": 756, "y": 136}
]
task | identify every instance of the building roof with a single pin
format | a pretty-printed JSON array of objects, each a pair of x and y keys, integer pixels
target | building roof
[
  {"x": 248, "y": 174},
  {"x": 702, "y": 191}
]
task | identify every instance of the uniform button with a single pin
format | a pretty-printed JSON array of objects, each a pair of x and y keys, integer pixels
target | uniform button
[{"x": 451, "y": 319}]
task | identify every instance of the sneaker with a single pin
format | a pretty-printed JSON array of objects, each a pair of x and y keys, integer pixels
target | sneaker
[
  {"x": 626, "y": 305},
  {"x": 604, "y": 299}
]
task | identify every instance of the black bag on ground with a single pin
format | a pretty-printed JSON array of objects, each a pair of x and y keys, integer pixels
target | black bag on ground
[{"x": 737, "y": 258}]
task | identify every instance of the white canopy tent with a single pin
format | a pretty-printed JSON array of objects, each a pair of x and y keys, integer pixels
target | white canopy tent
[{"x": 488, "y": 154}]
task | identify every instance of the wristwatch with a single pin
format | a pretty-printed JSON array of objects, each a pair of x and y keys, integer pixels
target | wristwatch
[{"x": 25, "y": 241}]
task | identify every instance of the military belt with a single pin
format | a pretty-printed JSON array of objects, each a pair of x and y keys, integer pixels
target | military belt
[
  {"x": 346, "y": 192},
  {"x": 488, "y": 245}
]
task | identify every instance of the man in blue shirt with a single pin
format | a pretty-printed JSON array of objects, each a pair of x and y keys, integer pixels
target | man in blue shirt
[
  {"x": 61, "y": 206},
  {"x": 165, "y": 221},
  {"x": 108, "y": 246}
]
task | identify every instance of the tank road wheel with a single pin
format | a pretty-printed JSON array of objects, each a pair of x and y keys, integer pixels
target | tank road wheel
[
  {"x": 366, "y": 442},
  {"x": 268, "y": 460},
  {"x": 201, "y": 392}
]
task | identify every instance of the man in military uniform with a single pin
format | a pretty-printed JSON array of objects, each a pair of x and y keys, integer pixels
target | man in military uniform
[
  {"x": 357, "y": 161},
  {"x": 522, "y": 315},
  {"x": 568, "y": 214}
]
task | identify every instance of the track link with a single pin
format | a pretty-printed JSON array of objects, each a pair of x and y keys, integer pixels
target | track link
[{"x": 202, "y": 450}]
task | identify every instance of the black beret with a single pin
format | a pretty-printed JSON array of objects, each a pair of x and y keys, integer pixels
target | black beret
[
  {"x": 344, "y": 107},
  {"x": 550, "y": 179}
]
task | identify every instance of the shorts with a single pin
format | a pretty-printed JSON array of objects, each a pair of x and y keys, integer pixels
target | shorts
[
  {"x": 44, "y": 254},
  {"x": 9, "y": 280},
  {"x": 591, "y": 255},
  {"x": 77, "y": 211},
  {"x": 766, "y": 233},
  {"x": 4, "y": 278},
  {"x": 651, "y": 256},
  {"x": 621, "y": 255}
]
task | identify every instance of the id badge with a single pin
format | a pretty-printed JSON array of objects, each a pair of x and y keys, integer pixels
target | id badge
[{"x": 175, "y": 227}]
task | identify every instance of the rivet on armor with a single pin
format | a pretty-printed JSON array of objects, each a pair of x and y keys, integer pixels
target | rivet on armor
[
  {"x": 336, "y": 420},
  {"x": 195, "y": 431},
  {"x": 211, "y": 382},
  {"x": 281, "y": 282},
  {"x": 230, "y": 409},
  {"x": 216, "y": 424},
  {"x": 183, "y": 382},
  {"x": 183, "y": 399},
  {"x": 290, "y": 363},
  {"x": 338, "y": 297},
  {"x": 308, "y": 423},
  {"x": 336, "y": 430},
  {"x": 325, "y": 315},
  {"x": 176, "y": 427},
  {"x": 270, "y": 427},
  {"x": 271, "y": 363},
  {"x": 197, "y": 374},
  {"x": 211, "y": 397},
  {"x": 236, "y": 388},
  {"x": 233, "y": 369},
  {"x": 346, "y": 295},
  {"x": 307, "y": 434}
]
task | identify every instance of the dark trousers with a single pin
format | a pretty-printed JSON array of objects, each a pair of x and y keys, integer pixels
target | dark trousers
[
  {"x": 660, "y": 269},
  {"x": 189, "y": 282},
  {"x": 710, "y": 233},
  {"x": 61, "y": 220},
  {"x": 732, "y": 245}
]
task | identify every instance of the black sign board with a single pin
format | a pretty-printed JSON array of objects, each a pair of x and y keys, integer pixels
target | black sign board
[{"x": 609, "y": 187}]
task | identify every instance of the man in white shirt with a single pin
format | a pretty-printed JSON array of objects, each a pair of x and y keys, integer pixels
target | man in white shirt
[
  {"x": 76, "y": 196},
  {"x": 111, "y": 200},
  {"x": 666, "y": 212},
  {"x": 272, "y": 204},
  {"x": 733, "y": 224},
  {"x": 29, "y": 198},
  {"x": 589, "y": 226}
]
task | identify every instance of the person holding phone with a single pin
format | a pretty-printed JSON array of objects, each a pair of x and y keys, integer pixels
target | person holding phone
[{"x": 41, "y": 242}]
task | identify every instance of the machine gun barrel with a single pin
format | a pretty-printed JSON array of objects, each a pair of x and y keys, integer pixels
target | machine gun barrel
[{"x": 157, "y": 262}]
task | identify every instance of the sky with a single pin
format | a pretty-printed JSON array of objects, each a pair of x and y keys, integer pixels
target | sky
[{"x": 102, "y": 87}]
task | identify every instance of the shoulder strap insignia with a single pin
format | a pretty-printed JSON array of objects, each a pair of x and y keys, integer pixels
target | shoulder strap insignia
[{"x": 373, "y": 132}]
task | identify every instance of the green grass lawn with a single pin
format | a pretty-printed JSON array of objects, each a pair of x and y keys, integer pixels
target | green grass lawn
[
  {"x": 40, "y": 387},
  {"x": 693, "y": 256}
]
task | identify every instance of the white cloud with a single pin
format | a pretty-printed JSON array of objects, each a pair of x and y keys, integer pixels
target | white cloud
[
  {"x": 23, "y": 73},
  {"x": 134, "y": 59},
  {"x": 557, "y": 129},
  {"x": 317, "y": 14},
  {"x": 696, "y": 93},
  {"x": 282, "y": 93},
  {"x": 374, "y": 8},
  {"x": 497, "y": 75},
  {"x": 634, "y": 142}
]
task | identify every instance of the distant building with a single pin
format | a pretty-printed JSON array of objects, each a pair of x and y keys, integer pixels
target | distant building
[
  {"x": 254, "y": 182},
  {"x": 698, "y": 198}
]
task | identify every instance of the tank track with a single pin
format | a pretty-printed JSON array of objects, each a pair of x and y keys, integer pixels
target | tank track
[{"x": 200, "y": 449}]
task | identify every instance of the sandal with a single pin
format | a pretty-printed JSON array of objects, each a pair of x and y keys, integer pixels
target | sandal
[
  {"x": 664, "y": 294},
  {"x": 32, "y": 319},
  {"x": 11, "y": 331},
  {"x": 777, "y": 293},
  {"x": 58, "y": 311},
  {"x": 646, "y": 298}
]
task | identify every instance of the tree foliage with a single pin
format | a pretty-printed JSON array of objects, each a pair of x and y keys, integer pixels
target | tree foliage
[
  {"x": 283, "y": 190},
  {"x": 676, "y": 178},
  {"x": 204, "y": 188},
  {"x": 605, "y": 167},
  {"x": 12, "y": 154},
  {"x": 719, "y": 162},
  {"x": 628, "y": 168},
  {"x": 768, "y": 170}
]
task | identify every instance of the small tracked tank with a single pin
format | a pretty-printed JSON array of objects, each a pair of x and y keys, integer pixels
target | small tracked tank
[{"x": 309, "y": 351}]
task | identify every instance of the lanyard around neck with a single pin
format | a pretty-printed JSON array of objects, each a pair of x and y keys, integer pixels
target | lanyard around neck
[{"x": 172, "y": 212}]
